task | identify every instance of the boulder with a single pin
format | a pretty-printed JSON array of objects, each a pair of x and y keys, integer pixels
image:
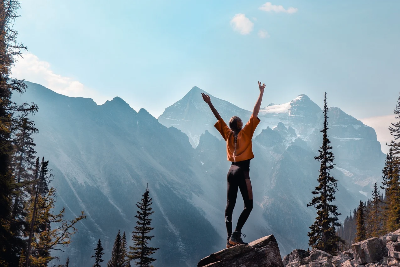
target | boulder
[
  {"x": 393, "y": 249},
  {"x": 295, "y": 258},
  {"x": 347, "y": 263},
  {"x": 343, "y": 259},
  {"x": 261, "y": 252},
  {"x": 369, "y": 251},
  {"x": 302, "y": 258}
]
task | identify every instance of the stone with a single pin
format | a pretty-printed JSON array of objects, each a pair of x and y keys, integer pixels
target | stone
[
  {"x": 393, "y": 246},
  {"x": 261, "y": 252},
  {"x": 342, "y": 258},
  {"x": 369, "y": 251},
  {"x": 393, "y": 262},
  {"x": 318, "y": 258},
  {"x": 318, "y": 255},
  {"x": 347, "y": 263},
  {"x": 391, "y": 238},
  {"x": 394, "y": 254},
  {"x": 295, "y": 258}
]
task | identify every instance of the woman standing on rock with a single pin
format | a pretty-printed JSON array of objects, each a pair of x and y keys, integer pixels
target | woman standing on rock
[{"x": 239, "y": 151}]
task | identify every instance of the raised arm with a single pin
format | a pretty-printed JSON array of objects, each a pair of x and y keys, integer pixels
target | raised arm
[
  {"x": 207, "y": 99},
  {"x": 258, "y": 103}
]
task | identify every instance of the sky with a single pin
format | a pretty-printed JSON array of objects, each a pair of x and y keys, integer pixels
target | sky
[{"x": 151, "y": 53}]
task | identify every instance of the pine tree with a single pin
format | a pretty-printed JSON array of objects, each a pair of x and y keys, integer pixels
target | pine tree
[
  {"x": 367, "y": 219},
  {"x": 141, "y": 252},
  {"x": 392, "y": 191},
  {"x": 11, "y": 242},
  {"x": 361, "y": 231},
  {"x": 394, "y": 130},
  {"x": 375, "y": 214},
  {"x": 117, "y": 257},
  {"x": 43, "y": 238},
  {"x": 391, "y": 180},
  {"x": 23, "y": 162},
  {"x": 98, "y": 254},
  {"x": 323, "y": 231},
  {"x": 125, "y": 257}
]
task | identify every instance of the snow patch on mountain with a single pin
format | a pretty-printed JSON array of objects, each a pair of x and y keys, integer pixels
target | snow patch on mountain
[
  {"x": 347, "y": 138},
  {"x": 282, "y": 108},
  {"x": 344, "y": 171}
]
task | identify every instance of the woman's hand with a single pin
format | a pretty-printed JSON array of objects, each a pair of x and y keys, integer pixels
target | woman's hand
[
  {"x": 206, "y": 98},
  {"x": 261, "y": 87},
  {"x": 258, "y": 103}
]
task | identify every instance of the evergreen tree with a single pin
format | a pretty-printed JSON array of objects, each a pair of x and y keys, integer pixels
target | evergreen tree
[
  {"x": 323, "y": 231},
  {"x": 125, "y": 256},
  {"x": 43, "y": 238},
  {"x": 367, "y": 218},
  {"x": 141, "y": 252},
  {"x": 11, "y": 242},
  {"x": 117, "y": 257},
  {"x": 23, "y": 162},
  {"x": 391, "y": 181},
  {"x": 98, "y": 254},
  {"x": 374, "y": 217},
  {"x": 394, "y": 129},
  {"x": 361, "y": 231},
  {"x": 392, "y": 191}
]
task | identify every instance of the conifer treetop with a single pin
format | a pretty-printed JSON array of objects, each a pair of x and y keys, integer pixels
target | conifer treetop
[{"x": 323, "y": 231}]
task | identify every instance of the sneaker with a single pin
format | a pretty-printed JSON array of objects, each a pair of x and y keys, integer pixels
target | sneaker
[
  {"x": 228, "y": 245},
  {"x": 236, "y": 239}
]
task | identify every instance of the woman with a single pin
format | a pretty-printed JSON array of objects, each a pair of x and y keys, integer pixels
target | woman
[{"x": 239, "y": 152}]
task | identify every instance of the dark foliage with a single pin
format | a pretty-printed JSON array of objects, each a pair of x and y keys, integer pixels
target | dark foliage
[
  {"x": 323, "y": 231},
  {"x": 141, "y": 251},
  {"x": 98, "y": 254}
]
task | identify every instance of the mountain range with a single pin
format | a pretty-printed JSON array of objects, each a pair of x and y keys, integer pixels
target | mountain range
[{"x": 104, "y": 156}]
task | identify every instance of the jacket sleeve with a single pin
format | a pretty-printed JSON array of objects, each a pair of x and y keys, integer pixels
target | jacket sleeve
[
  {"x": 222, "y": 128},
  {"x": 251, "y": 126}
]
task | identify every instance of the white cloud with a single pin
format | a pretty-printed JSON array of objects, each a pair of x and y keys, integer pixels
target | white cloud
[
  {"x": 381, "y": 125},
  {"x": 242, "y": 24},
  {"x": 32, "y": 69},
  {"x": 269, "y": 7},
  {"x": 263, "y": 34}
]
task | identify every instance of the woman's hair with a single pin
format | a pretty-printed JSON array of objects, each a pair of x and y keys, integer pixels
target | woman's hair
[{"x": 233, "y": 123}]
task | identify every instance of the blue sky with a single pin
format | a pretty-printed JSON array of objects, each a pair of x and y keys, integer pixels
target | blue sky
[{"x": 151, "y": 53}]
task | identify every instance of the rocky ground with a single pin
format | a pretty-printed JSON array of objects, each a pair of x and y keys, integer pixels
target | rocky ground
[
  {"x": 383, "y": 251},
  {"x": 261, "y": 252}
]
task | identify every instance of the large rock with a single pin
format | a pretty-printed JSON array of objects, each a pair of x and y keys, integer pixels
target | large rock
[
  {"x": 303, "y": 258},
  {"x": 369, "y": 251},
  {"x": 261, "y": 252},
  {"x": 374, "y": 252},
  {"x": 296, "y": 258}
]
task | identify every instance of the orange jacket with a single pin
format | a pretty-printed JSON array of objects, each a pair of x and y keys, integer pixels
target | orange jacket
[{"x": 244, "y": 149}]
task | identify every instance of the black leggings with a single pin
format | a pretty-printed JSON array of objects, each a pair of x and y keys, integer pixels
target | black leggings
[{"x": 237, "y": 177}]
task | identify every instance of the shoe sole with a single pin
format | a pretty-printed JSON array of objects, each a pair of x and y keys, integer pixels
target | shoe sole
[{"x": 233, "y": 243}]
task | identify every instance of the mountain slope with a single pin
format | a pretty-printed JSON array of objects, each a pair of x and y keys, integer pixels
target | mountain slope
[
  {"x": 103, "y": 157},
  {"x": 193, "y": 117}
]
